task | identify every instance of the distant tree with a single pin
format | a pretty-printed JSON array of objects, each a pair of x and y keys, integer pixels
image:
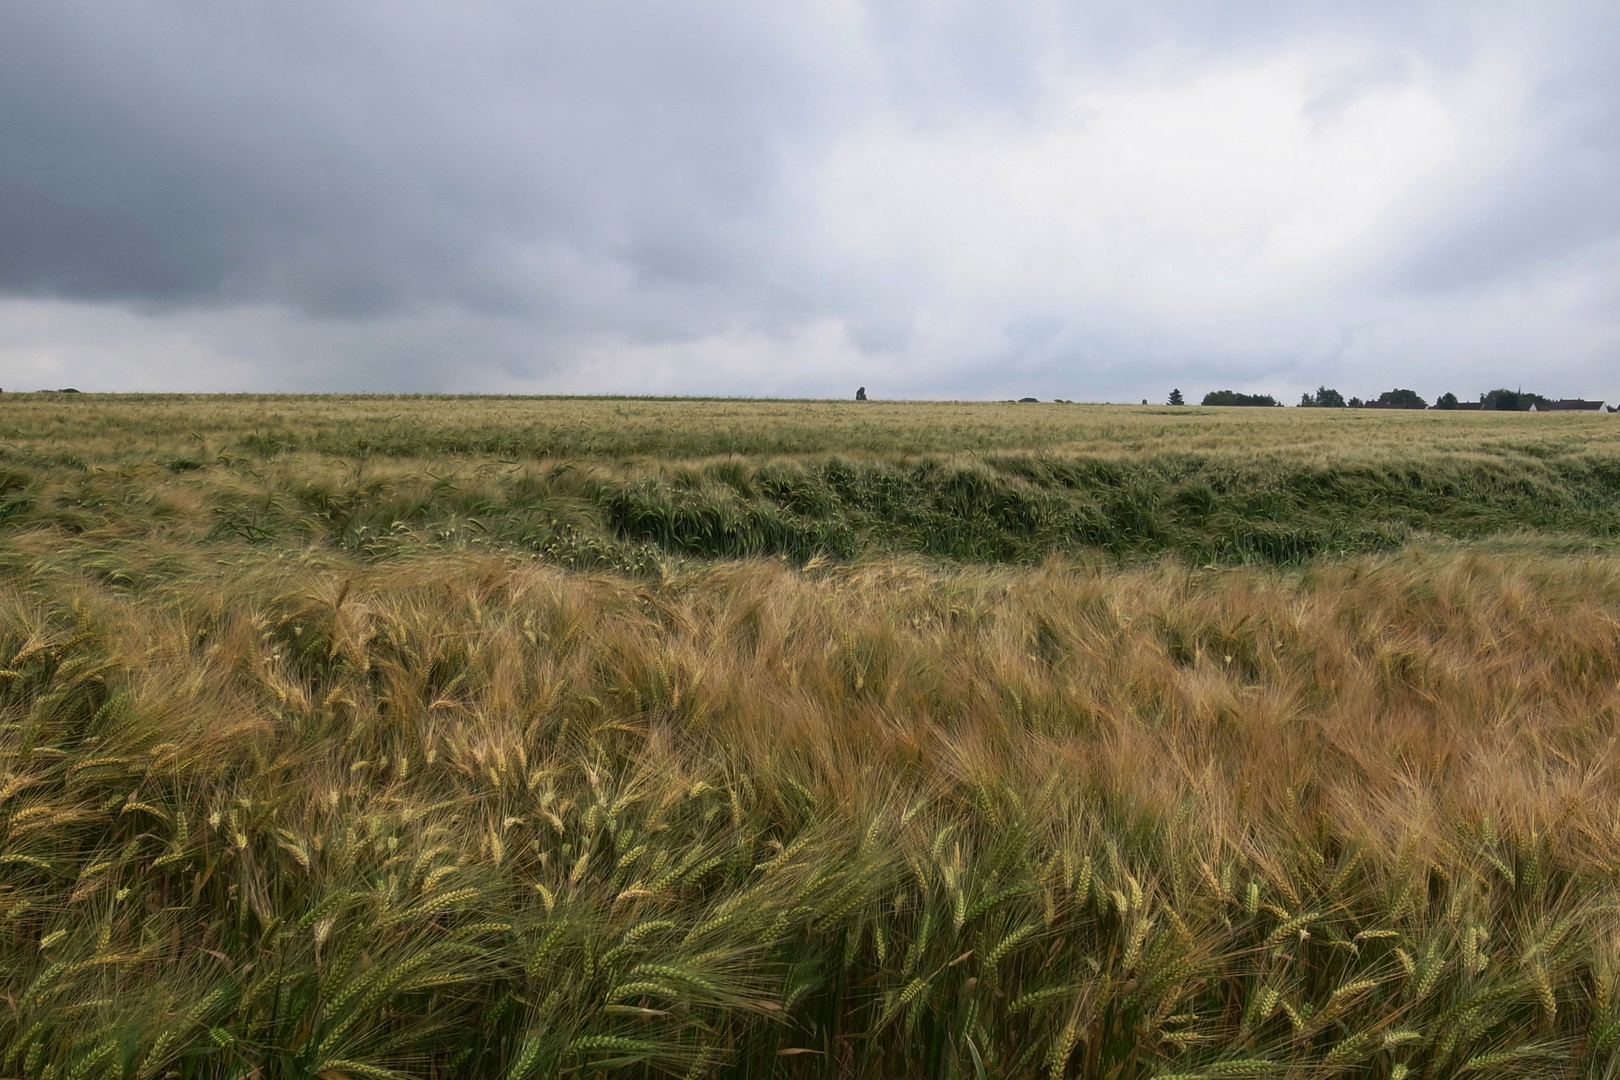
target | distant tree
[
  {"x": 1447, "y": 400},
  {"x": 1232, "y": 397},
  {"x": 1306, "y": 401},
  {"x": 860, "y": 395},
  {"x": 1510, "y": 400},
  {"x": 1176, "y": 398},
  {"x": 1402, "y": 399},
  {"x": 1355, "y": 403},
  {"x": 1328, "y": 398}
]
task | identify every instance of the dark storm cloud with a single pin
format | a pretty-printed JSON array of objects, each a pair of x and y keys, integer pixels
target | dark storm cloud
[
  {"x": 356, "y": 156},
  {"x": 772, "y": 198}
]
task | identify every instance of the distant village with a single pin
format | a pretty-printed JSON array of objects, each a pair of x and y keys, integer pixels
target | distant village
[{"x": 1326, "y": 398}]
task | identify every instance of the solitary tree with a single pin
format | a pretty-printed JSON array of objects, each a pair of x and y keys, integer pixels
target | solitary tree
[
  {"x": 860, "y": 395},
  {"x": 1176, "y": 398},
  {"x": 1402, "y": 399},
  {"x": 1447, "y": 400},
  {"x": 1324, "y": 398},
  {"x": 1511, "y": 400}
]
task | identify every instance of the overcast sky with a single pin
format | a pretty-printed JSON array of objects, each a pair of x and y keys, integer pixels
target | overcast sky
[{"x": 944, "y": 200}]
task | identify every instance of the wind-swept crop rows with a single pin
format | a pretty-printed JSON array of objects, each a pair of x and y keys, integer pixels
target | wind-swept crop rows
[{"x": 466, "y": 815}]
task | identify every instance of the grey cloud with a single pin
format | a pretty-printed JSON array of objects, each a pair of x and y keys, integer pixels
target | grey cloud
[
  {"x": 351, "y": 158},
  {"x": 519, "y": 186},
  {"x": 1336, "y": 91},
  {"x": 1556, "y": 199}
]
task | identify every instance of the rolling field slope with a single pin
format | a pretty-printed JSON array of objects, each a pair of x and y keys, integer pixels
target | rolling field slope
[{"x": 377, "y": 737}]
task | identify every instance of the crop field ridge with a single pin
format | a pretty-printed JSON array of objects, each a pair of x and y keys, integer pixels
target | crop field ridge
[
  {"x": 630, "y": 486},
  {"x": 285, "y": 792}
]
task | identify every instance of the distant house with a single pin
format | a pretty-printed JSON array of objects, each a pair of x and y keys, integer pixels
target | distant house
[{"x": 1567, "y": 405}]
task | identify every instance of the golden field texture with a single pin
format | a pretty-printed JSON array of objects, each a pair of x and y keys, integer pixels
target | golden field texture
[
  {"x": 275, "y": 803},
  {"x": 108, "y": 427},
  {"x": 632, "y": 485}
]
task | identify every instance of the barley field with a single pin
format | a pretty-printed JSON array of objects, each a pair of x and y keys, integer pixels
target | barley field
[{"x": 428, "y": 737}]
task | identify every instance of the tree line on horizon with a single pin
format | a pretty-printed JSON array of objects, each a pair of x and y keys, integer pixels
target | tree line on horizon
[{"x": 1500, "y": 399}]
